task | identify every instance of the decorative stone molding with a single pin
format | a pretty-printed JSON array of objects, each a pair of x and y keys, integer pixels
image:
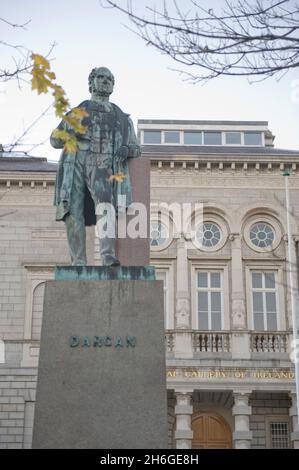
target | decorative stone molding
[
  {"x": 238, "y": 314},
  {"x": 182, "y": 313}
]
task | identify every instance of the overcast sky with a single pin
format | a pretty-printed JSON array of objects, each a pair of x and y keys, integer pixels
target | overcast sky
[{"x": 87, "y": 36}]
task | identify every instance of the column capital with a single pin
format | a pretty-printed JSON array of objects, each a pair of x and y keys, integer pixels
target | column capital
[
  {"x": 241, "y": 406},
  {"x": 184, "y": 401},
  {"x": 241, "y": 394}
]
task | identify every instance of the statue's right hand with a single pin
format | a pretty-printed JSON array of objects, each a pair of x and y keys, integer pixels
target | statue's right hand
[{"x": 122, "y": 153}]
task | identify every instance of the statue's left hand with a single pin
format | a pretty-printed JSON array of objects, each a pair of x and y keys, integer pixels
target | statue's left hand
[{"x": 122, "y": 153}]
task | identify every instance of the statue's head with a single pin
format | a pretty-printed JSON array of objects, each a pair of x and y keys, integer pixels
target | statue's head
[{"x": 101, "y": 81}]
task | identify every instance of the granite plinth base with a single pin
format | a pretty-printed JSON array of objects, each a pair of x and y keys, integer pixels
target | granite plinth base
[{"x": 101, "y": 381}]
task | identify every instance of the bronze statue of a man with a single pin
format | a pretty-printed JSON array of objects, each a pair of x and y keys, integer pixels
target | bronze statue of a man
[{"x": 85, "y": 178}]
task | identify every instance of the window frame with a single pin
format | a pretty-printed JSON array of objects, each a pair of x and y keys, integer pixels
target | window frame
[
  {"x": 264, "y": 219},
  {"x": 263, "y": 290},
  {"x": 212, "y": 132},
  {"x": 281, "y": 295},
  {"x": 209, "y": 291},
  {"x": 262, "y": 134},
  {"x": 164, "y": 132},
  {"x": 217, "y": 266},
  {"x": 202, "y": 132},
  {"x": 277, "y": 419},
  {"x": 193, "y": 132},
  {"x": 151, "y": 143},
  {"x": 234, "y": 132},
  {"x": 211, "y": 218}
]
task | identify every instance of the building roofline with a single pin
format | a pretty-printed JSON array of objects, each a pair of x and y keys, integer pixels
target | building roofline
[{"x": 196, "y": 122}]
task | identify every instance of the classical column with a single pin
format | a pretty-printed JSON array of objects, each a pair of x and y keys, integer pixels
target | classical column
[
  {"x": 183, "y": 412},
  {"x": 294, "y": 417},
  {"x": 241, "y": 411},
  {"x": 183, "y": 338},
  {"x": 240, "y": 339}
]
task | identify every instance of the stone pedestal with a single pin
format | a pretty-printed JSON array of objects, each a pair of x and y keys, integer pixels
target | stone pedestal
[{"x": 101, "y": 381}]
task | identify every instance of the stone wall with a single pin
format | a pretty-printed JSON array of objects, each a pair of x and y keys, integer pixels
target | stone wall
[{"x": 266, "y": 405}]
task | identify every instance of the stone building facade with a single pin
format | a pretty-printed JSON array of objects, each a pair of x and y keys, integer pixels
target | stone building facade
[{"x": 228, "y": 325}]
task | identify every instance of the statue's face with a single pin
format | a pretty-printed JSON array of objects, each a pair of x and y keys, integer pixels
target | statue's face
[{"x": 102, "y": 83}]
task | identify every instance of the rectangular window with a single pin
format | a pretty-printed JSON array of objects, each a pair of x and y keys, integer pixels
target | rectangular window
[
  {"x": 209, "y": 300},
  {"x": 233, "y": 138},
  {"x": 152, "y": 137},
  {"x": 171, "y": 137},
  {"x": 264, "y": 300},
  {"x": 162, "y": 275},
  {"x": 212, "y": 138},
  {"x": 252, "y": 138},
  {"x": 193, "y": 138},
  {"x": 279, "y": 435}
]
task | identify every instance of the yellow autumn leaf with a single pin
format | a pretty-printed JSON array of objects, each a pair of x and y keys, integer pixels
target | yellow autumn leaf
[
  {"x": 62, "y": 135},
  {"x": 39, "y": 60},
  {"x": 40, "y": 83},
  {"x": 75, "y": 124},
  {"x": 58, "y": 92},
  {"x": 50, "y": 75},
  {"x": 119, "y": 177},
  {"x": 79, "y": 113},
  {"x": 61, "y": 106},
  {"x": 71, "y": 146}
]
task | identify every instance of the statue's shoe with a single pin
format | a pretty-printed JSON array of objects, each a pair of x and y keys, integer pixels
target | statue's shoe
[{"x": 109, "y": 260}]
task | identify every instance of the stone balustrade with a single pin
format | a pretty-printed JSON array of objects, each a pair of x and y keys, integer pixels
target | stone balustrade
[
  {"x": 269, "y": 342},
  {"x": 221, "y": 341}
]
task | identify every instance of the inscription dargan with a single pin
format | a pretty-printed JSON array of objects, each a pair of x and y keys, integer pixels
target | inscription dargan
[{"x": 102, "y": 341}]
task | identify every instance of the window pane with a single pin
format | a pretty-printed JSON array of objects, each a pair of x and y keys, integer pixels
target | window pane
[
  {"x": 271, "y": 321},
  {"x": 257, "y": 280},
  {"x": 252, "y": 138},
  {"x": 257, "y": 301},
  {"x": 258, "y": 321},
  {"x": 194, "y": 138},
  {"x": 202, "y": 301},
  {"x": 202, "y": 279},
  {"x": 212, "y": 138},
  {"x": 270, "y": 280},
  {"x": 233, "y": 138},
  {"x": 215, "y": 302},
  {"x": 152, "y": 137},
  {"x": 172, "y": 137},
  {"x": 216, "y": 321},
  {"x": 203, "y": 321},
  {"x": 215, "y": 279},
  {"x": 270, "y": 302}
]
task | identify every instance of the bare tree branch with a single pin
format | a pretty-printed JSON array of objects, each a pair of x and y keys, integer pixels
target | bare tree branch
[
  {"x": 15, "y": 25},
  {"x": 21, "y": 57},
  {"x": 14, "y": 146},
  {"x": 256, "y": 38}
]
